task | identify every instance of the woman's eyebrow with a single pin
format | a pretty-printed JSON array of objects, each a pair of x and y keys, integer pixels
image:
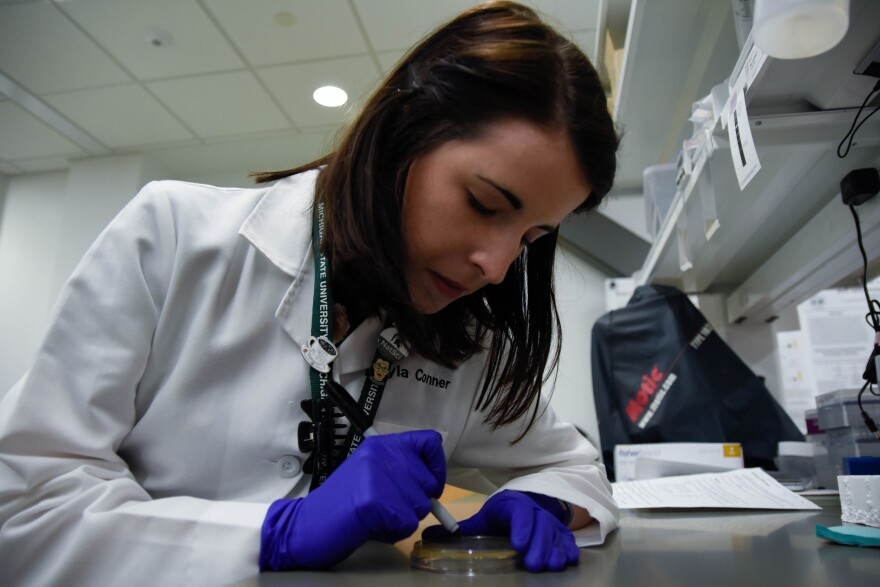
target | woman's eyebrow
[{"x": 511, "y": 197}]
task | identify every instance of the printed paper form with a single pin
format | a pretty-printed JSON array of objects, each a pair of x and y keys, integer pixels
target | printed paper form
[
  {"x": 738, "y": 489},
  {"x": 838, "y": 338}
]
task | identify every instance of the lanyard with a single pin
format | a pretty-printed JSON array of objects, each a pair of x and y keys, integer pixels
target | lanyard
[
  {"x": 374, "y": 385},
  {"x": 320, "y": 352}
]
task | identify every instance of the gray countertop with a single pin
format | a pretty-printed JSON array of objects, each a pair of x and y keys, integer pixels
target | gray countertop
[{"x": 652, "y": 547}]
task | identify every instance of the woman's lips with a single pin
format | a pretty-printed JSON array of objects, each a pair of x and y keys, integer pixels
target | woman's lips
[{"x": 447, "y": 287}]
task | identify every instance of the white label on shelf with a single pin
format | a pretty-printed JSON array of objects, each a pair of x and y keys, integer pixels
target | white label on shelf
[
  {"x": 753, "y": 66},
  {"x": 742, "y": 146},
  {"x": 684, "y": 260},
  {"x": 744, "y": 79}
]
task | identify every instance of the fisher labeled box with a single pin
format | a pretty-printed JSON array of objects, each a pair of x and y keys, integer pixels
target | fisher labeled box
[{"x": 666, "y": 459}]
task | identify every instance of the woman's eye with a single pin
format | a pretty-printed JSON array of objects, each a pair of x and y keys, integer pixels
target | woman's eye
[{"x": 478, "y": 206}]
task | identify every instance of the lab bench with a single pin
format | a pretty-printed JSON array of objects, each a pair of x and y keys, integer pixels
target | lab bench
[{"x": 653, "y": 548}]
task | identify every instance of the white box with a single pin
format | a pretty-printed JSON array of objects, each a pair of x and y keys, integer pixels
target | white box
[
  {"x": 666, "y": 459},
  {"x": 840, "y": 409}
]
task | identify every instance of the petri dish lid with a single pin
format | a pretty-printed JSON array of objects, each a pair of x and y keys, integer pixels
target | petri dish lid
[{"x": 466, "y": 555}]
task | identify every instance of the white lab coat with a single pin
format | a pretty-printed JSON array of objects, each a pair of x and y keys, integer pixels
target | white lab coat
[{"x": 159, "y": 419}]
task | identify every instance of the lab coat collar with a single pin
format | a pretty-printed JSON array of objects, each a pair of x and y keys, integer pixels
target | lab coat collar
[
  {"x": 280, "y": 227},
  {"x": 281, "y": 224},
  {"x": 356, "y": 352}
]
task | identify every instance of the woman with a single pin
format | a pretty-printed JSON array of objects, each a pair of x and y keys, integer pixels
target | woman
[{"x": 168, "y": 428}]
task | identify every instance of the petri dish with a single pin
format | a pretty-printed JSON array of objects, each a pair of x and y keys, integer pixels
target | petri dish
[{"x": 466, "y": 555}]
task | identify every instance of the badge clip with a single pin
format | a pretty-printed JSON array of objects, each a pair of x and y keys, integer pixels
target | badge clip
[{"x": 392, "y": 347}]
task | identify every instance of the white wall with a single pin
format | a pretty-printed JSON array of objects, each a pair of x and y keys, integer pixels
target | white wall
[
  {"x": 48, "y": 222},
  {"x": 29, "y": 229},
  {"x": 4, "y": 183},
  {"x": 580, "y": 291},
  {"x": 629, "y": 212},
  {"x": 97, "y": 189}
]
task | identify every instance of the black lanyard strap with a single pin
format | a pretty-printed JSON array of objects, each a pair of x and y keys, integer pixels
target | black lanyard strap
[
  {"x": 390, "y": 349},
  {"x": 319, "y": 353}
]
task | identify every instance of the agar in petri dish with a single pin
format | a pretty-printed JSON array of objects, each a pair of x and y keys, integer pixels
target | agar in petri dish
[{"x": 466, "y": 555}]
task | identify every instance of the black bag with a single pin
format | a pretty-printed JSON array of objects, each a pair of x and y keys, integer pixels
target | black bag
[{"x": 662, "y": 374}]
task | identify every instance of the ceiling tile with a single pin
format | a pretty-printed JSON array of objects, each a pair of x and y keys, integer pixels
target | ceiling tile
[
  {"x": 240, "y": 157},
  {"x": 569, "y": 15},
  {"x": 279, "y": 31},
  {"x": 121, "y": 116},
  {"x": 191, "y": 42},
  {"x": 388, "y": 59},
  {"x": 392, "y": 24},
  {"x": 221, "y": 104},
  {"x": 23, "y": 137},
  {"x": 293, "y": 85},
  {"x": 45, "y": 52},
  {"x": 44, "y": 164},
  {"x": 577, "y": 15},
  {"x": 198, "y": 84},
  {"x": 7, "y": 168}
]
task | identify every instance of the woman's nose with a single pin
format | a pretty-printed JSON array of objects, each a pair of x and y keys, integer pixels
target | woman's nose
[{"x": 494, "y": 257}]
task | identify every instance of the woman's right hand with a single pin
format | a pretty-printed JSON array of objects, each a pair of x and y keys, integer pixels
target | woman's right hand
[{"x": 380, "y": 492}]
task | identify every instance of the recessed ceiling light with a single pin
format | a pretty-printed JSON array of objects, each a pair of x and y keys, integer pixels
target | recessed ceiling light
[
  {"x": 284, "y": 18},
  {"x": 330, "y": 96}
]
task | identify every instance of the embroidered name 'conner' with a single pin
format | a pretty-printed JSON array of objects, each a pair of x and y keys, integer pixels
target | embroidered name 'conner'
[
  {"x": 421, "y": 376},
  {"x": 431, "y": 380}
]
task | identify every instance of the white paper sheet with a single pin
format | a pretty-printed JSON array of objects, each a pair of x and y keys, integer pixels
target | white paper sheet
[
  {"x": 795, "y": 375},
  {"x": 738, "y": 489},
  {"x": 838, "y": 337}
]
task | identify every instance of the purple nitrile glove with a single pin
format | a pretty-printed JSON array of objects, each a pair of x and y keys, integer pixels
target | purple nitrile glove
[
  {"x": 380, "y": 492},
  {"x": 533, "y": 523}
]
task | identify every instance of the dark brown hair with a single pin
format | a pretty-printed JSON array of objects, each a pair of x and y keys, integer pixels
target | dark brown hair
[{"x": 494, "y": 61}]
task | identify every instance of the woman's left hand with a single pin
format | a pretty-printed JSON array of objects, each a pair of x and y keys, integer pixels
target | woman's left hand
[{"x": 537, "y": 534}]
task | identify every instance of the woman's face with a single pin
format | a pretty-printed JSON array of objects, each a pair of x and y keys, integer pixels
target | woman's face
[{"x": 471, "y": 206}]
